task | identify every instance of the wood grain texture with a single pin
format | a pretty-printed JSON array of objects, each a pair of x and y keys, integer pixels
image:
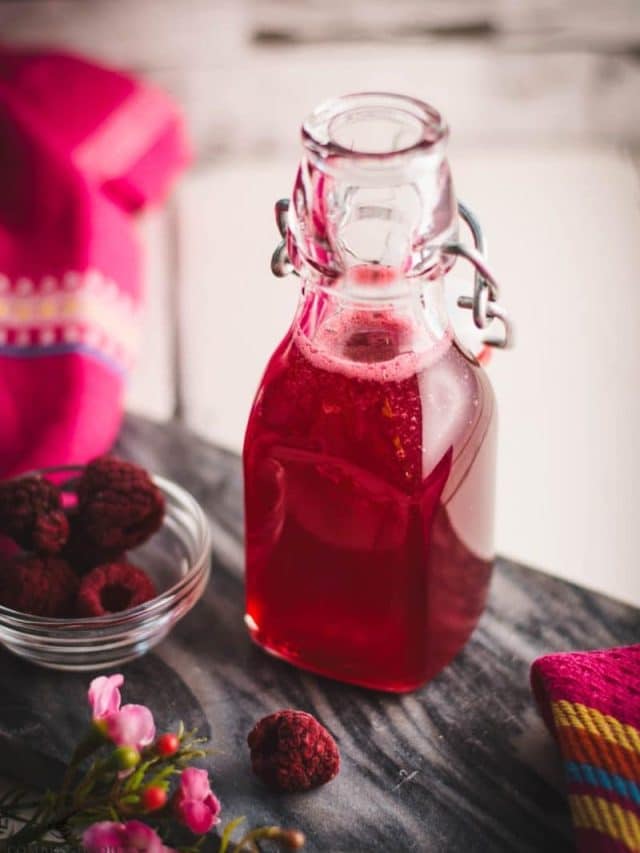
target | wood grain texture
[{"x": 463, "y": 764}]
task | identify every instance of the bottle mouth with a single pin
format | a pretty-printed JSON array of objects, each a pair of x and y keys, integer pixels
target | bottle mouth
[{"x": 375, "y": 126}]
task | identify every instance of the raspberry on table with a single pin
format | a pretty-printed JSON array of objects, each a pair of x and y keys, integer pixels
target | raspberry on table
[
  {"x": 31, "y": 514},
  {"x": 41, "y": 586},
  {"x": 119, "y": 506},
  {"x": 291, "y": 751},
  {"x": 112, "y": 588}
]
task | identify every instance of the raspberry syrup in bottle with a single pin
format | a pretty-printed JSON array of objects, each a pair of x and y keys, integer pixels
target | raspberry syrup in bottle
[{"x": 369, "y": 455}]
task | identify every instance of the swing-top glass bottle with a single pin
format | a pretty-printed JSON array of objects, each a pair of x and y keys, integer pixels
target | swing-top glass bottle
[{"x": 369, "y": 454}]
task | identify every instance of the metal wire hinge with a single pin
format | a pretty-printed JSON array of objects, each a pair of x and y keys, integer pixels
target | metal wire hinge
[
  {"x": 484, "y": 302},
  {"x": 280, "y": 263}
]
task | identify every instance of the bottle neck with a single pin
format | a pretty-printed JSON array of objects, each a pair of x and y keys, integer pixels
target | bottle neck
[
  {"x": 371, "y": 208},
  {"x": 370, "y": 317},
  {"x": 373, "y": 188}
]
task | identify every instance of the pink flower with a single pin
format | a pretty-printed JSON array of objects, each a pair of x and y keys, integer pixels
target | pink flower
[
  {"x": 104, "y": 837},
  {"x": 131, "y": 837},
  {"x": 131, "y": 725},
  {"x": 104, "y": 695},
  {"x": 142, "y": 838},
  {"x": 195, "y": 803}
]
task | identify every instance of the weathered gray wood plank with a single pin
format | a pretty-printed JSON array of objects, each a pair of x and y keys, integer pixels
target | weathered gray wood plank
[{"x": 463, "y": 764}]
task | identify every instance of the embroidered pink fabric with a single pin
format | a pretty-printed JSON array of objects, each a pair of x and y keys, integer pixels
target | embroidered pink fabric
[
  {"x": 84, "y": 148},
  {"x": 590, "y": 702},
  {"x": 605, "y": 679}
]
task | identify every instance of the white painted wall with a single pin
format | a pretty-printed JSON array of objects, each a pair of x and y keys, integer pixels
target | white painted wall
[
  {"x": 563, "y": 226},
  {"x": 542, "y": 101},
  {"x": 152, "y": 384}
]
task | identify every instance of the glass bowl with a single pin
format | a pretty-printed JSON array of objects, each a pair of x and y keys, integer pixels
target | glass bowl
[{"x": 177, "y": 558}]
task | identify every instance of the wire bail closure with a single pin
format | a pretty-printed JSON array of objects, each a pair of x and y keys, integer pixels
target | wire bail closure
[
  {"x": 280, "y": 263},
  {"x": 484, "y": 302}
]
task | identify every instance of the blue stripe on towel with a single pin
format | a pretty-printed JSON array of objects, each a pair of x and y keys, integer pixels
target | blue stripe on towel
[{"x": 590, "y": 775}]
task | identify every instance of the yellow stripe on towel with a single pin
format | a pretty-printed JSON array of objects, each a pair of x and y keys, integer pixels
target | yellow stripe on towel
[
  {"x": 607, "y": 818},
  {"x": 594, "y": 721}
]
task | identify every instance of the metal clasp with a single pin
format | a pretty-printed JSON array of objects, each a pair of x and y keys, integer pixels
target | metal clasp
[
  {"x": 484, "y": 302},
  {"x": 280, "y": 263}
]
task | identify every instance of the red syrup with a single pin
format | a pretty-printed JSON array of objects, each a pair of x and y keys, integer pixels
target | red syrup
[{"x": 369, "y": 474}]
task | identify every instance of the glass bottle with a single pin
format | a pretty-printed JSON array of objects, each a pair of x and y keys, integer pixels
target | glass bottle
[{"x": 369, "y": 454}]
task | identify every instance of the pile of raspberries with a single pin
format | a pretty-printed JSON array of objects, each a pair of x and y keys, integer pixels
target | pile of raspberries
[{"x": 68, "y": 559}]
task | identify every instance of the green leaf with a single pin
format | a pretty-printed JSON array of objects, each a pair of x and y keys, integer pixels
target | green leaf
[
  {"x": 228, "y": 830},
  {"x": 135, "y": 780},
  {"x": 163, "y": 776}
]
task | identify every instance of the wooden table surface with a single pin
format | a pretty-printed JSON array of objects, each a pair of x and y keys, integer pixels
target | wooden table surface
[{"x": 462, "y": 764}]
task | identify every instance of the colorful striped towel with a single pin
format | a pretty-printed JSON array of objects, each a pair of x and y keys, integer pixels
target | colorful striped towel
[{"x": 590, "y": 702}]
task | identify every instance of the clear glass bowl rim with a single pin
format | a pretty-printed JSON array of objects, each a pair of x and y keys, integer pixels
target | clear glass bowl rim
[{"x": 66, "y": 629}]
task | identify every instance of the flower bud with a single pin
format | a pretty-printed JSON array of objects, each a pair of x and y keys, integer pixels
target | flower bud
[
  {"x": 99, "y": 728},
  {"x": 126, "y": 757},
  {"x": 290, "y": 839},
  {"x": 167, "y": 744},
  {"x": 153, "y": 798}
]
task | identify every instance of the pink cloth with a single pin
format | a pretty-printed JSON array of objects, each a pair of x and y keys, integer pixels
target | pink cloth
[
  {"x": 590, "y": 702},
  {"x": 83, "y": 148}
]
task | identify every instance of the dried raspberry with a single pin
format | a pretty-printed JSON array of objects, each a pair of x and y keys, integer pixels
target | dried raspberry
[
  {"x": 43, "y": 586},
  {"x": 8, "y": 548},
  {"x": 119, "y": 506},
  {"x": 31, "y": 514},
  {"x": 291, "y": 751},
  {"x": 112, "y": 588},
  {"x": 82, "y": 554}
]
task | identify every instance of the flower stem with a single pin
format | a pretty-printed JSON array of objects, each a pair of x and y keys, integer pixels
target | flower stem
[{"x": 92, "y": 741}]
